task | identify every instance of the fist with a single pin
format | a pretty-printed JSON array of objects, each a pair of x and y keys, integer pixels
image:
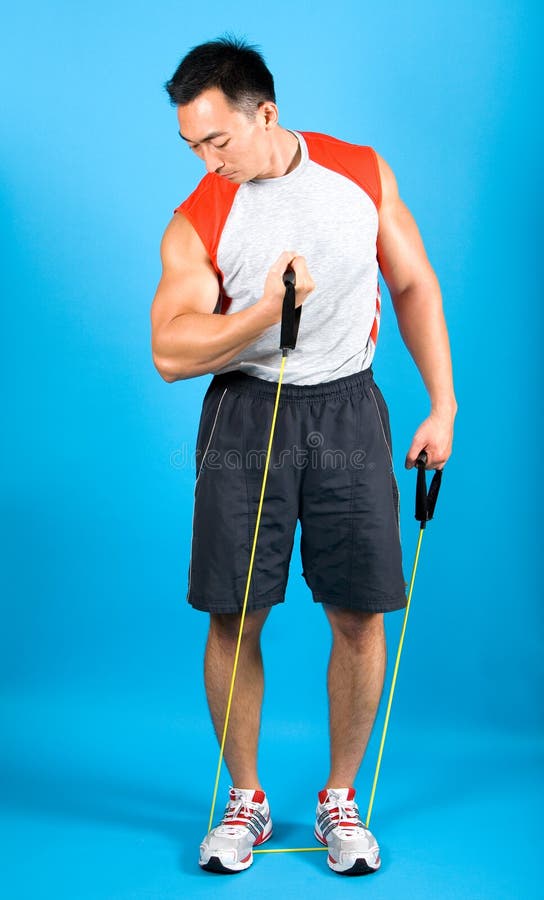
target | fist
[{"x": 274, "y": 288}]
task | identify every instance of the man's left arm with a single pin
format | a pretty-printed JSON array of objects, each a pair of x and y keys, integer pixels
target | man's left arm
[{"x": 417, "y": 301}]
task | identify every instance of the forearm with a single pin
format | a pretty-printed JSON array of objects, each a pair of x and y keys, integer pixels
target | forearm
[
  {"x": 200, "y": 343},
  {"x": 423, "y": 328}
]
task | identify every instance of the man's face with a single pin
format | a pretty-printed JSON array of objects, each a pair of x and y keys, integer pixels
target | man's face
[{"x": 229, "y": 143}]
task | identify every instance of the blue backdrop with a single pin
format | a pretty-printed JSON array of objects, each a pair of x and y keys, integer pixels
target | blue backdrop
[{"x": 108, "y": 754}]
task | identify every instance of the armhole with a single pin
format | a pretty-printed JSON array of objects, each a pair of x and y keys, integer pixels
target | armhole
[{"x": 374, "y": 157}]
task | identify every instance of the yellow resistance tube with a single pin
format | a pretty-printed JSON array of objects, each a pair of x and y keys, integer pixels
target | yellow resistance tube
[
  {"x": 244, "y": 607},
  {"x": 393, "y": 682}
]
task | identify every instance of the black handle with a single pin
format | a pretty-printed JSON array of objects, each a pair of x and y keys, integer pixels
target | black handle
[
  {"x": 290, "y": 316},
  {"x": 426, "y": 501}
]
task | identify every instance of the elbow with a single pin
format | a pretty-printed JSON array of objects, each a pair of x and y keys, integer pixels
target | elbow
[
  {"x": 171, "y": 368},
  {"x": 167, "y": 370},
  {"x": 166, "y": 365},
  {"x": 423, "y": 285}
]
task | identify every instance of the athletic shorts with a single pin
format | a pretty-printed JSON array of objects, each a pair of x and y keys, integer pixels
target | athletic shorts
[{"x": 331, "y": 468}]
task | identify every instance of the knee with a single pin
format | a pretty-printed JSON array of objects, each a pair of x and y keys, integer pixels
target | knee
[
  {"x": 353, "y": 626},
  {"x": 225, "y": 627}
]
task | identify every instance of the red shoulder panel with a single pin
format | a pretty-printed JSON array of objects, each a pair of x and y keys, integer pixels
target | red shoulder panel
[
  {"x": 207, "y": 209},
  {"x": 358, "y": 163}
]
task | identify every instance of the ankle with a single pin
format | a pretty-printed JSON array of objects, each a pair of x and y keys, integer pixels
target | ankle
[
  {"x": 248, "y": 784},
  {"x": 338, "y": 783}
]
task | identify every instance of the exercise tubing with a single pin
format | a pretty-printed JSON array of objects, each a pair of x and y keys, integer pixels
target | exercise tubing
[
  {"x": 425, "y": 503},
  {"x": 288, "y": 338}
]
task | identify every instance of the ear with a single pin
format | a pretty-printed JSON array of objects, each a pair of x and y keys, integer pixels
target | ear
[{"x": 269, "y": 112}]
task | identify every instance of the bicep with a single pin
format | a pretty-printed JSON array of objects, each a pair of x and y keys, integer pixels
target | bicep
[
  {"x": 188, "y": 282},
  {"x": 401, "y": 255}
]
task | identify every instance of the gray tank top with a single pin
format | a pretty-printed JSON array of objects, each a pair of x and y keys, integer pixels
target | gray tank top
[{"x": 326, "y": 210}]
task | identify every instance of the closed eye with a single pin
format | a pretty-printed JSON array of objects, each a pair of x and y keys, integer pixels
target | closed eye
[{"x": 196, "y": 147}]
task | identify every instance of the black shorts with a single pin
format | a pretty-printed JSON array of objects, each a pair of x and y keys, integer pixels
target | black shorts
[{"x": 331, "y": 468}]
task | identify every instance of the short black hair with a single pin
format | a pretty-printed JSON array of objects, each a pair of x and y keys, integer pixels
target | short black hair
[{"x": 228, "y": 63}]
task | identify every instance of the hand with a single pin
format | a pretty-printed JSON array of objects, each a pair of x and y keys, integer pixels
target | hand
[
  {"x": 435, "y": 436},
  {"x": 274, "y": 288}
]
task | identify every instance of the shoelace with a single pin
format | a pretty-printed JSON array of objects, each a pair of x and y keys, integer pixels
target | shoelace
[
  {"x": 347, "y": 813},
  {"x": 236, "y": 810}
]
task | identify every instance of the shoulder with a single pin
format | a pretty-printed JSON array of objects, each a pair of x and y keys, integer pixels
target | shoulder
[
  {"x": 181, "y": 242},
  {"x": 358, "y": 162},
  {"x": 211, "y": 190},
  {"x": 390, "y": 191},
  {"x": 207, "y": 209}
]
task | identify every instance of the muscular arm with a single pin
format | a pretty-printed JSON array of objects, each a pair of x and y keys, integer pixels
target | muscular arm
[
  {"x": 188, "y": 339},
  {"x": 417, "y": 301}
]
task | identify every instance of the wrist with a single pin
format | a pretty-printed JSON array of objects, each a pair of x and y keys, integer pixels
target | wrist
[
  {"x": 268, "y": 309},
  {"x": 444, "y": 408}
]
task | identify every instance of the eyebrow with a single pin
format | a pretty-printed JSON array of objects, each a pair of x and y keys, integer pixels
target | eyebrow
[{"x": 209, "y": 137}]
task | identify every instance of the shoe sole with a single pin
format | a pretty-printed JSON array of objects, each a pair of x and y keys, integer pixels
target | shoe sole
[
  {"x": 359, "y": 867},
  {"x": 214, "y": 863}
]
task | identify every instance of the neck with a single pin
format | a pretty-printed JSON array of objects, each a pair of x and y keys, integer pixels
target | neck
[{"x": 285, "y": 155}]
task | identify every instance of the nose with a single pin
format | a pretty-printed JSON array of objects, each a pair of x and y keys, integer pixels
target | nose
[{"x": 212, "y": 159}]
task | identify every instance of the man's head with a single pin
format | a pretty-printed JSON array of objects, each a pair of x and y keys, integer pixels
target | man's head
[
  {"x": 231, "y": 65},
  {"x": 226, "y": 107}
]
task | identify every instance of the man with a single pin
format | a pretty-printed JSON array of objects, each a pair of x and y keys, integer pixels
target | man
[{"x": 274, "y": 198}]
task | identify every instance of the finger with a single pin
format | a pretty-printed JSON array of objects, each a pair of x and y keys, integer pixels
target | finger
[
  {"x": 304, "y": 280},
  {"x": 413, "y": 454},
  {"x": 284, "y": 260},
  {"x": 434, "y": 460}
]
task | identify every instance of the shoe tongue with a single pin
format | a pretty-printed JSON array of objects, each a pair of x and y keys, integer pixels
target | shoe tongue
[
  {"x": 329, "y": 795},
  {"x": 248, "y": 794}
]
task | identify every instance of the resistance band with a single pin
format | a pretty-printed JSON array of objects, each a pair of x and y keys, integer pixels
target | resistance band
[
  {"x": 425, "y": 504},
  {"x": 290, "y": 321}
]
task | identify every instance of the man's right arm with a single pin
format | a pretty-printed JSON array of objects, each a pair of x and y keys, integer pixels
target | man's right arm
[{"x": 188, "y": 339}]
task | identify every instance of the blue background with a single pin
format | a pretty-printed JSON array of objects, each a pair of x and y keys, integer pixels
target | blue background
[{"x": 107, "y": 751}]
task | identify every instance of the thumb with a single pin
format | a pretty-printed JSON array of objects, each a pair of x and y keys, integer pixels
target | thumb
[{"x": 415, "y": 449}]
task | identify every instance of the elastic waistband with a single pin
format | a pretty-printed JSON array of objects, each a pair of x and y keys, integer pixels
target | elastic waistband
[{"x": 261, "y": 387}]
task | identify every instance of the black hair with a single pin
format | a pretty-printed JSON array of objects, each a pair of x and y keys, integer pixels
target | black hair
[{"x": 228, "y": 63}]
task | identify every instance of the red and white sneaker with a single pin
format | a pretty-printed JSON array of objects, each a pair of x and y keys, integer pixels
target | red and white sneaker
[
  {"x": 246, "y": 823},
  {"x": 353, "y": 849}
]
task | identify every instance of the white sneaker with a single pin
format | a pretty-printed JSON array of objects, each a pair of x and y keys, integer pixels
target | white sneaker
[
  {"x": 246, "y": 823},
  {"x": 353, "y": 849}
]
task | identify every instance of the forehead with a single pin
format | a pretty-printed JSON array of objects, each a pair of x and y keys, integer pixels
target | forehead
[{"x": 208, "y": 113}]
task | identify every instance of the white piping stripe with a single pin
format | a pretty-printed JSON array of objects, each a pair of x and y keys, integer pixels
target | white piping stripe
[
  {"x": 211, "y": 434},
  {"x": 196, "y": 482}
]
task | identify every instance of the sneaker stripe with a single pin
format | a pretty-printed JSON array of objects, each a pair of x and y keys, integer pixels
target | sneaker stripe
[
  {"x": 245, "y": 823},
  {"x": 328, "y": 828}
]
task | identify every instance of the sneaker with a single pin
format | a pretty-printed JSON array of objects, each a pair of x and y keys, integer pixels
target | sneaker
[
  {"x": 246, "y": 823},
  {"x": 353, "y": 849}
]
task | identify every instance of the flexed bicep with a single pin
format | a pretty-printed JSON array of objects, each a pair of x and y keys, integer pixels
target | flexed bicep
[{"x": 188, "y": 284}]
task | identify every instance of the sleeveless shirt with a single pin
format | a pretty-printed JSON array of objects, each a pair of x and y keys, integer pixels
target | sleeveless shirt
[{"x": 326, "y": 209}]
